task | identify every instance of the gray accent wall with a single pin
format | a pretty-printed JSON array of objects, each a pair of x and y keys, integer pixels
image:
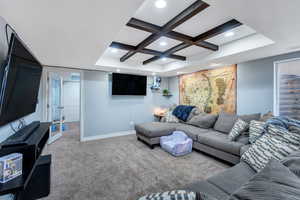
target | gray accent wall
[
  {"x": 255, "y": 84},
  {"x": 105, "y": 113}
]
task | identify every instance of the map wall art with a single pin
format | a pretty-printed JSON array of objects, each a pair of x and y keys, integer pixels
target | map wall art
[{"x": 210, "y": 90}]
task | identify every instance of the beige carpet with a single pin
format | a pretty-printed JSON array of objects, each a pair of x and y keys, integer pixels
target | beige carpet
[{"x": 120, "y": 168}]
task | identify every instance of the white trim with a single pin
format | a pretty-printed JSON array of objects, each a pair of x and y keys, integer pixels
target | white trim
[
  {"x": 109, "y": 135},
  {"x": 276, "y": 83},
  {"x": 82, "y": 107}
]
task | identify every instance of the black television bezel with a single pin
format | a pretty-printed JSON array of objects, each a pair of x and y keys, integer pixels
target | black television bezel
[
  {"x": 4, "y": 73},
  {"x": 128, "y": 94}
]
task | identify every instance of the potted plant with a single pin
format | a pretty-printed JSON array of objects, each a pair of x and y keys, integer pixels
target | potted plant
[{"x": 166, "y": 92}]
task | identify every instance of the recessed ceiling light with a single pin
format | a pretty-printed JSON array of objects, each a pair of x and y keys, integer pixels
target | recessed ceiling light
[
  {"x": 179, "y": 72},
  {"x": 114, "y": 50},
  {"x": 160, "y": 4},
  {"x": 163, "y": 43},
  {"x": 164, "y": 59},
  {"x": 153, "y": 73},
  {"x": 118, "y": 70},
  {"x": 229, "y": 34}
]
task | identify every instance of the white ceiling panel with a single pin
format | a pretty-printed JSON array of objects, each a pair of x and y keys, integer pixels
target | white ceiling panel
[
  {"x": 131, "y": 36},
  {"x": 160, "y": 16},
  {"x": 192, "y": 50},
  {"x": 204, "y": 21},
  {"x": 140, "y": 57}
]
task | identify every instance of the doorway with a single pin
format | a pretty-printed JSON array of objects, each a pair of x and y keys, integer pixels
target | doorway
[
  {"x": 63, "y": 103},
  {"x": 287, "y": 88}
]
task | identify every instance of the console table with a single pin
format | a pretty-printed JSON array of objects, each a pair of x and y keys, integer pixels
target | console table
[{"x": 34, "y": 183}]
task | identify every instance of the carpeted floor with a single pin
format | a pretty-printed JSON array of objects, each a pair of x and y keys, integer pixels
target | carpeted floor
[{"x": 120, "y": 168}]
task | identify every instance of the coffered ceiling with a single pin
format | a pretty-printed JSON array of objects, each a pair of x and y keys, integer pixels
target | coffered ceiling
[{"x": 78, "y": 33}]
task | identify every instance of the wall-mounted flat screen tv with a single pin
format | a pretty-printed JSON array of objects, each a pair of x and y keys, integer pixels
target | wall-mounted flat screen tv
[
  {"x": 126, "y": 84},
  {"x": 20, "y": 76}
]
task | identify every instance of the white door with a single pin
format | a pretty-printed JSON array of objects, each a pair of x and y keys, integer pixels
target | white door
[{"x": 55, "y": 105}]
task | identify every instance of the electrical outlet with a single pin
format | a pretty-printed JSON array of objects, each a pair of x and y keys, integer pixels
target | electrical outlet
[{"x": 131, "y": 123}]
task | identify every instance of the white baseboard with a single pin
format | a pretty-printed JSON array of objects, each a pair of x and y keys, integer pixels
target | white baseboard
[{"x": 109, "y": 135}]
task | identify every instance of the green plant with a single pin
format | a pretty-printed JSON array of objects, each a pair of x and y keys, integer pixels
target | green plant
[{"x": 166, "y": 92}]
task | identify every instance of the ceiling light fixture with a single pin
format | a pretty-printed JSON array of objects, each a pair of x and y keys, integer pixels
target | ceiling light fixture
[
  {"x": 118, "y": 70},
  {"x": 163, "y": 43},
  {"x": 229, "y": 34},
  {"x": 164, "y": 59},
  {"x": 114, "y": 50},
  {"x": 160, "y": 4},
  {"x": 153, "y": 73}
]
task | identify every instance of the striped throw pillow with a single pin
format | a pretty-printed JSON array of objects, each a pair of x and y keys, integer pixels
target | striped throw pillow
[
  {"x": 239, "y": 127},
  {"x": 171, "y": 195},
  {"x": 276, "y": 144},
  {"x": 256, "y": 130}
]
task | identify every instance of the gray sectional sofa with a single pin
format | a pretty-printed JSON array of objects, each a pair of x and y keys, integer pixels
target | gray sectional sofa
[{"x": 213, "y": 141}]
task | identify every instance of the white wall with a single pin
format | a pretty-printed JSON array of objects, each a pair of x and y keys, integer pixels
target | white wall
[
  {"x": 71, "y": 102},
  {"x": 104, "y": 113}
]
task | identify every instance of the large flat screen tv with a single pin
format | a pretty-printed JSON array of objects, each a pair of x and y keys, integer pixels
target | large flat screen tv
[
  {"x": 20, "y": 76},
  {"x": 126, "y": 84}
]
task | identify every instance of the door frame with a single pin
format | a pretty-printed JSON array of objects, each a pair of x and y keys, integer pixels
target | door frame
[
  {"x": 276, "y": 83},
  {"x": 45, "y": 93}
]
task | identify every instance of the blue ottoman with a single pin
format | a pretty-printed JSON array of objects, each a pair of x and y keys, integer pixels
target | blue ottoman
[{"x": 177, "y": 144}]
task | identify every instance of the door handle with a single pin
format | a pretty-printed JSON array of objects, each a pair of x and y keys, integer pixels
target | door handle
[{"x": 60, "y": 107}]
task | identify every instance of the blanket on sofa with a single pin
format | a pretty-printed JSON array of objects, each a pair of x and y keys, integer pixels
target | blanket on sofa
[
  {"x": 284, "y": 122},
  {"x": 182, "y": 112}
]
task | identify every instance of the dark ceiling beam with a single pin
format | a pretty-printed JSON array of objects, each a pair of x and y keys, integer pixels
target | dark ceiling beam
[
  {"x": 145, "y": 26},
  {"x": 218, "y": 30},
  {"x": 200, "y": 38},
  {"x": 127, "y": 47},
  {"x": 185, "y": 15}
]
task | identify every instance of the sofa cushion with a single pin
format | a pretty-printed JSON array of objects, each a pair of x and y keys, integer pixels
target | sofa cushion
[
  {"x": 203, "y": 120},
  {"x": 249, "y": 118},
  {"x": 156, "y": 129},
  {"x": 277, "y": 143},
  {"x": 274, "y": 182},
  {"x": 220, "y": 141},
  {"x": 196, "y": 111},
  {"x": 225, "y": 122},
  {"x": 239, "y": 127},
  {"x": 191, "y": 131},
  {"x": 292, "y": 161},
  {"x": 232, "y": 179},
  {"x": 209, "y": 189}
]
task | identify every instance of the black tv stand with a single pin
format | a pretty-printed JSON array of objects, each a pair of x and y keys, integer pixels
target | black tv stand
[{"x": 34, "y": 183}]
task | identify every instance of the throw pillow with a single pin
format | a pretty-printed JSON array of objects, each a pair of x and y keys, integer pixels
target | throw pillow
[
  {"x": 294, "y": 129},
  {"x": 225, "y": 122},
  {"x": 277, "y": 143},
  {"x": 170, "y": 118},
  {"x": 171, "y": 195},
  {"x": 292, "y": 162},
  {"x": 249, "y": 118},
  {"x": 239, "y": 127},
  {"x": 274, "y": 182},
  {"x": 203, "y": 120},
  {"x": 256, "y": 130},
  {"x": 177, "y": 195}
]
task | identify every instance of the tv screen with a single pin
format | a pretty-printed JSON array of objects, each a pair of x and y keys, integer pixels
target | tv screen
[
  {"x": 20, "y": 81},
  {"x": 125, "y": 84}
]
